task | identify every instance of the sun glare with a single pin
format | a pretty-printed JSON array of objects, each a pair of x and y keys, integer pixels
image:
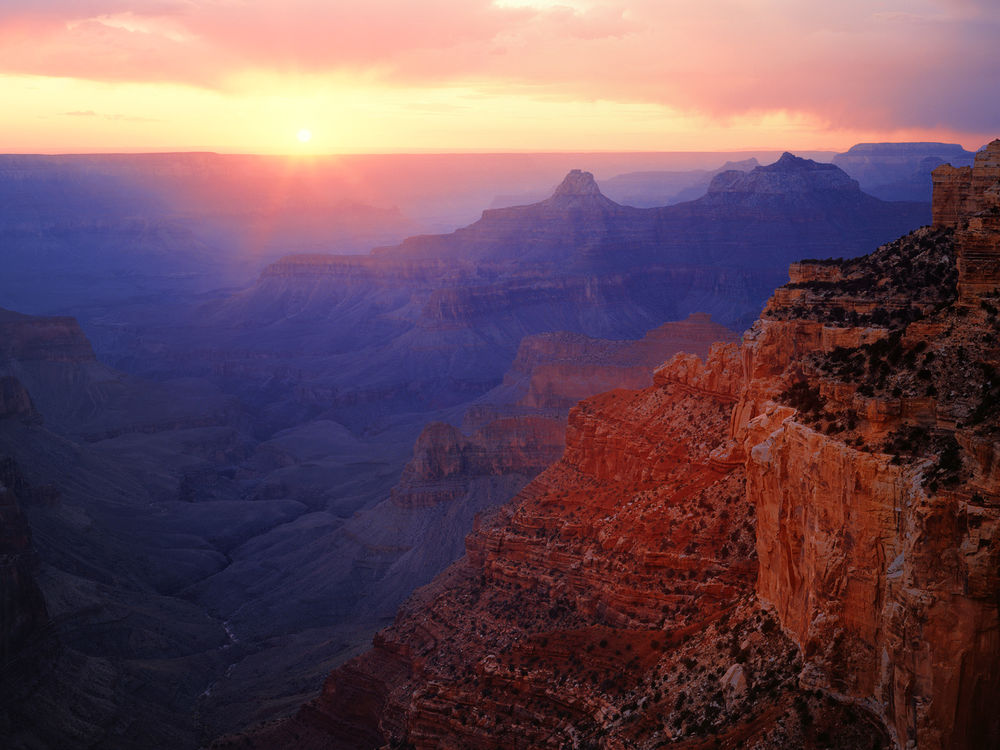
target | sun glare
[{"x": 304, "y": 136}]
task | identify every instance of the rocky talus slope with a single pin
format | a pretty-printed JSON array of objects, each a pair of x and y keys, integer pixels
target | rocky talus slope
[{"x": 792, "y": 544}]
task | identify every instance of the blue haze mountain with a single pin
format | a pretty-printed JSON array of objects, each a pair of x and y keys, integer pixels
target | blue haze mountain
[{"x": 899, "y": 171}]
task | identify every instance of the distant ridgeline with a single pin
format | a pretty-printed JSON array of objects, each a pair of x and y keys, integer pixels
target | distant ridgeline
[{"x": 899, "y": 171}]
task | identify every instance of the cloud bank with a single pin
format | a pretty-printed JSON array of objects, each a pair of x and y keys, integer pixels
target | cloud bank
[{"x": 852, "y": 64}]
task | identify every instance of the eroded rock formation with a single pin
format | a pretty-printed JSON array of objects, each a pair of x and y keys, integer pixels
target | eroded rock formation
[
  {"x": 856, "y": 432},
  {"x": 448, "y": 311},
  {"x": 869, "y": 423},
  {"x": 609, "y": 607},
  {"x": 968, "y": 201},
  {"x": 899, "y": 171}
]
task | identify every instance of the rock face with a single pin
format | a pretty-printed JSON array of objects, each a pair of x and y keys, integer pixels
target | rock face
[
  {"x": 553, "y": 371},
  {"x": 15, "y": 401},
  {"x": 575, "y": 262},
  {"x": 856, "y": 431},
  {"x": 652, "y": 189},
  {"x": 868, "y": 422},
  {"x": 790, "y": 175},
  {"x": 607, "y": 607},
  {"x": 95, "y": 544},
  {"x": 74, "y": 393},
  {"x": 968, "y": 200},
  {"x": 173, "y": 516},
  {"x": 351, "y": 579},
  {"x": 41, "y": 339}
]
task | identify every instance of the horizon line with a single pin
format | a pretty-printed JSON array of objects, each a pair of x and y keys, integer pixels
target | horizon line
[{"x": 423, "y": 152}]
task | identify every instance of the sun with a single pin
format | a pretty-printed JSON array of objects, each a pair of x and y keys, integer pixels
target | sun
[{"x": 304, "y": 135}]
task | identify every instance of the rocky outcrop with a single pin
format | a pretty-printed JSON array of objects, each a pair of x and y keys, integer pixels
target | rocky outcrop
[
  {"x": 968, "y": 200},
  {"x": 779, "y": 205},
  {"x": 51, "y": 359},
  {"x": 652, "y": 189},
  {"x": 963, "y": 191},
  {"x": 445, "y": 462},
  {"x": 351, "y": 579},
  {"x": 15, "y": 401},
  {"x": 952, "y": 188},
  {"x": 42, "y": 339},
  {"x": 435, "y": 322},
  {"x": 576, "y": 262},
  {"x": 552, "y": 372},
  {"x": 789, "y": 176},
  {"x": 877, "y": 510}
]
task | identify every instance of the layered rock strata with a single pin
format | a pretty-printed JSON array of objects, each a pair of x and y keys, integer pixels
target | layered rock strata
[
  {"x": 870, "y": 446},
  {"x": 967, "y": 199},
  {"x": 609, "y": 606},
  {"x": 449, "y": 310},
  {"x": 899, "y": 171}
]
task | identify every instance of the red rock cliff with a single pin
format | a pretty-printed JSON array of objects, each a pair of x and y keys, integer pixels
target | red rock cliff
[
  {"x": 609, "y": 606},
  {"x": 968, "y": 200},
  {"x": 869, "y": 425}
]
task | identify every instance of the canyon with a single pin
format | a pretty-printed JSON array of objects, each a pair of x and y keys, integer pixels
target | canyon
[
  {"x": 790, "y": 543},
  {"x": 450, "y": 310},
  {"x": 213, "y": 497}
]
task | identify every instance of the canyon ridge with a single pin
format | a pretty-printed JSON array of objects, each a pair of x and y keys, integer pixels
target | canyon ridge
[{"x": 791, "y": 543}]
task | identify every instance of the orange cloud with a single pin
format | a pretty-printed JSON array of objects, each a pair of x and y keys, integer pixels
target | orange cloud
[{"x": 902, "y": 64}]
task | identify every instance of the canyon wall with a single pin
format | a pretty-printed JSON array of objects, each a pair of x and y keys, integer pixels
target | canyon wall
[
  {"x": 871, "y": 454},
  {"x": 967, "y": 199},
  {"x": 856, "y": 431},
  {"x": 899, "y": 171},
  {"x": 608, "y": 606}
]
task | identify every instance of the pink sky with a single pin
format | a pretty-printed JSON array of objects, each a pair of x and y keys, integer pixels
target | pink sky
[{"x": 390, "y": 75}]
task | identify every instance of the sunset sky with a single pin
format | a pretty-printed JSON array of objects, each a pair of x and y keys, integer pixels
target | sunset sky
[{"x": 485, "y": 75}]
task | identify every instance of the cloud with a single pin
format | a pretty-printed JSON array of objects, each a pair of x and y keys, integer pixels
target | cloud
[
  {"x": 114, "y": 117},
  {"x": 906, "y": 63}
]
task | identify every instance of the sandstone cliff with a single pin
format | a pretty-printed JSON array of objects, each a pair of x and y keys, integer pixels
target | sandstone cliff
[{"x": 875, "y": 479}]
